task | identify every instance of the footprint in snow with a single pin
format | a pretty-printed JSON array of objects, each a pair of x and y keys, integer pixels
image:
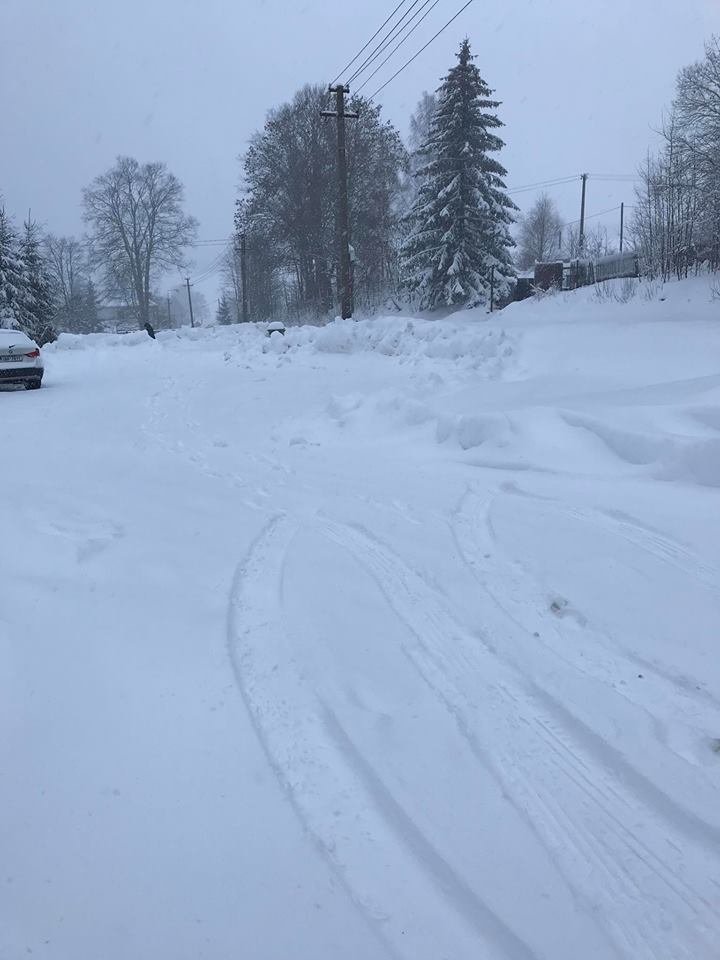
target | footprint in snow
[{"x": 561, "y": 608}]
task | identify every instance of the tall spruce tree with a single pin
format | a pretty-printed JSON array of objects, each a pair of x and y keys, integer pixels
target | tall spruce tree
[
  {"x": 459, "y": 222},
  {"x": 85, "y": 309},
  {"x": 223, "y": 316},
  {"x": 12, "y": 279},
  {"x": 36, "y": 302}
]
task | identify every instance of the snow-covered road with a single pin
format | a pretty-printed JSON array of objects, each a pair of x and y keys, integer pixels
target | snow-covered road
[{"x": 382, "y": 641}]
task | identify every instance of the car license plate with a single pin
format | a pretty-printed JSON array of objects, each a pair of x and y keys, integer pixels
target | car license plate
[{"x": 13, "y": 359}]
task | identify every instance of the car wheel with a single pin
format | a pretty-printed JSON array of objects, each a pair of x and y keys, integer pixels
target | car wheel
[{"x": 33, "y": 384}]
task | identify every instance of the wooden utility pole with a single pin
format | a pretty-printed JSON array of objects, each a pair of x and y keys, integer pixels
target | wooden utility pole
[
  {"x": 581, "y": 244},
  {"x": 169, "y": 313},
  {"x": 192, "y": 319},
  {"x": 345, "y": 280},
  {"x": 622, "y": 225},
  {"x": 492, "y": 288},
  {"x": 243, "y": 276}
]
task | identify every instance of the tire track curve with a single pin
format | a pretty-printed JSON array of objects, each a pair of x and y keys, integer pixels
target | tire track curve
[
  {"x": 412, "y": 899},
  {"x": 620, "y": 825}
]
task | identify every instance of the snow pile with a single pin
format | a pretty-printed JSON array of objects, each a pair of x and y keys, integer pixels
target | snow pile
[
  {"x": 672, "y": 456},
  {"x": 463, "y": 338},
  {"x": 474, "y": 430},
  {"x": 97, "y": 341}
]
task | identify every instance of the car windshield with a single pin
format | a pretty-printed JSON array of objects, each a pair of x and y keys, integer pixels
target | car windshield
[{"x": 360, "y": 480}]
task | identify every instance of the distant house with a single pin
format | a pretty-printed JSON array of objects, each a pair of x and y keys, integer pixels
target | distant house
[{"x": 119, "y": 317}]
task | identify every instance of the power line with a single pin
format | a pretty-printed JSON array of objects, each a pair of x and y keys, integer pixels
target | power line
[
  {"x": 213, "y": 266},
  {"x": 416, "y": 55},
  {"x": 613, "y": 176},
  {"x": 401, "y": 42},
  {"x": 591, "y": 216},
  {"x": 387, "y": 40},
  {"x": 544, "y": 183},
  {"x": 362, "y": 49},
  {"x": 619, "y": 178}
]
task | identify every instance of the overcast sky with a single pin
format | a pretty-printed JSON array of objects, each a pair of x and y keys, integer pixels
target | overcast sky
[{"x": 583, "y": 85}]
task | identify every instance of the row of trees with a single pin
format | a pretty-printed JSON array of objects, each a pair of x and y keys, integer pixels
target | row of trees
[
  {"x": 676, "y": 225},
  {"x": 430, "y": 223},
  {"x": 25, "y": 286},
  {"x": 287, "y": 216},
  {"x": 543, "y": 237},
  {"x": 138, "y": 231}
]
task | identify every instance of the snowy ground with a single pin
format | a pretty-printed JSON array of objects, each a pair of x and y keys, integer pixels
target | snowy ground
[{"x": 388, "y": 640}]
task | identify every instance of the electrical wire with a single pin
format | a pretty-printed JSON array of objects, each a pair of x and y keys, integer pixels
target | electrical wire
[
  {"x": 416, "y": 55},
  {"x": 395, "y": 31},
  {"x": 613, "y": 176},
  {"x": 363, "y": 49},
  {"x": 401, "y": 42},
  {"x": 215, "y": 265},
  {"x": 544, "y": 183},
  {"x": 591, "y": 216}
]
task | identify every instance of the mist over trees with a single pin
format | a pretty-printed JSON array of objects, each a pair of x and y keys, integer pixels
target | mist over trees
[
  {"x": 420, "y": 126},
  {"x": 540, "y": 233},
  {"x": 179, "y": 308},
  {"x": 138, "y": 232},
  {"x": 430, "y": 219},
  {"x": 75, "y": 299},
  {"x": 287, "y": 213}
]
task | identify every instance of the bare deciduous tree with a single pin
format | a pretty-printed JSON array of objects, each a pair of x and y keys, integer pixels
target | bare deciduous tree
[
  {"x": 288, "y": 214},
  {"x": 676, "y": 226},
  {"x": 139, "y": 229},
  {"x": 67, "y": 264},
  {"x": 539, "y": 235},
  {"x": 418, "y": 136}
]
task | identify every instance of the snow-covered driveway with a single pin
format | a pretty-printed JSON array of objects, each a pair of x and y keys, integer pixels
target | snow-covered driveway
[{"x": 379, "y": 641}]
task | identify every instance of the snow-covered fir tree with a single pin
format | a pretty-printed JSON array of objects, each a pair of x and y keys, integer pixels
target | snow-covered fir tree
[
  {"x": 223, "y": 315},
  {"x": 459, "y": 222},
  {"x": 12, "y": 279},
  {"x": 36, "y": 301},
  {"x": 86, "y": 309}
]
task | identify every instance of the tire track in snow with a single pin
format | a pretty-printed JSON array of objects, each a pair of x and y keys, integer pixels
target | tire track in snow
[
  {"x": 657, "y": 544},
  {"x": 520, "y": 597},
  {"x": 458, "y": 891},
  {"x": 371, "y": 845},
  {"x": 618, "y": 832},
  {"x": 245, "y": 617}
]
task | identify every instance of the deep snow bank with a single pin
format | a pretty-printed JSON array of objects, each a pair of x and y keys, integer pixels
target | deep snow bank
[
  {"x": 621, "y": 376},
  {"x": 463, "y": 339}
]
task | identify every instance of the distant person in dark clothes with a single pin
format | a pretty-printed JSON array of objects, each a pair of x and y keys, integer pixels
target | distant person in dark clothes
[{"x": 149, "y": 330}]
